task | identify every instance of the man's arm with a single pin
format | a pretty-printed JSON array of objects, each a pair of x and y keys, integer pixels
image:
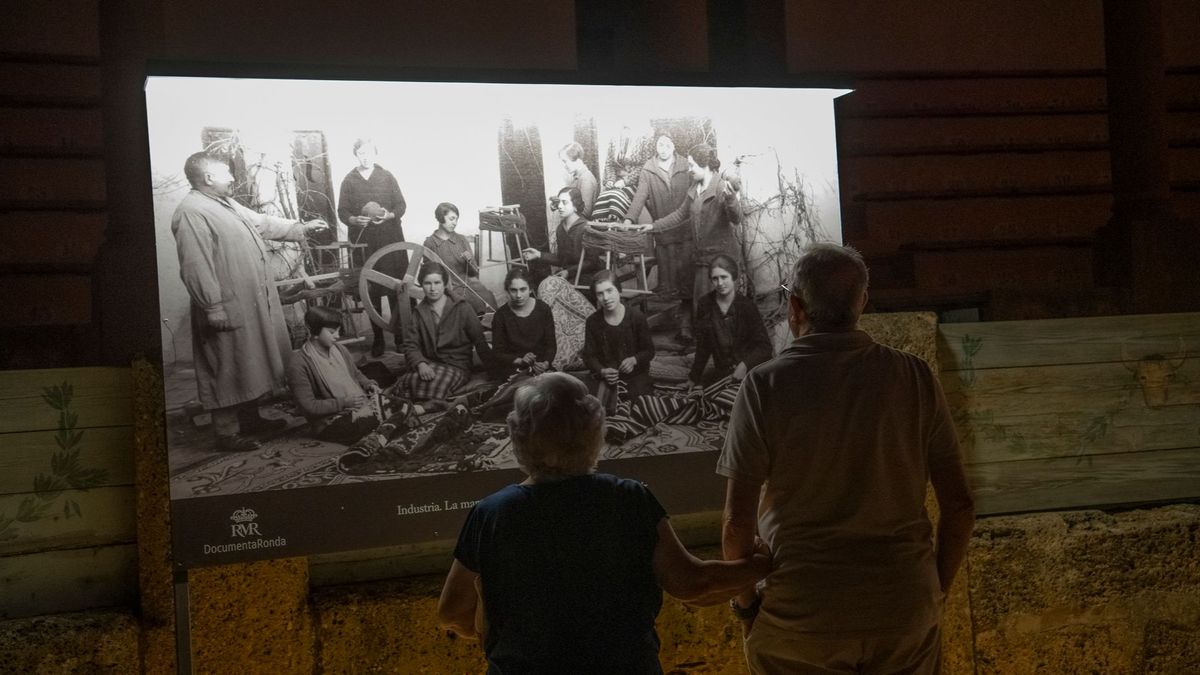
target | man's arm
[
  {"x": 703, "y": 582},
  {"x": 957, "y": 519},
  {"x": 739, "y": 526}
]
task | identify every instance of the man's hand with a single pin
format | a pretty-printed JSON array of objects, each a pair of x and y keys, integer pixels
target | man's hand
[
  {"x": 628, "y": 364},
  {"x": 425, "y": 371},
  {"x": 739, "y": 373},
  {"x": 218, "y": 320},
  {"x": 610, "y": 375}
]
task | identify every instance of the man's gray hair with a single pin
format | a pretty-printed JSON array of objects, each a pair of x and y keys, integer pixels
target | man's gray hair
[
  {"x": 829, "y": 279},
  {"x": 556, "y": 426},
  {"x": 197, "y": 165}
]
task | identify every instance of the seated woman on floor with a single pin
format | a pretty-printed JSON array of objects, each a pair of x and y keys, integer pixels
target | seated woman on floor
[
  {"x": 568, "y": 239},
  {"x": 326, "y": 384},
  {"x": 456, "y": 255},
  {"x": 728, "y": 328},
  {"x": 438, "y": 344},
  {"x": 523, "y": 330},
  {"x": 564, "y": 573},
  {"x": 617, "y": 344}
]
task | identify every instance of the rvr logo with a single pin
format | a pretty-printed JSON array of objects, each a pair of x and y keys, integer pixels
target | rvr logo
[{"x": 245, "y": 529}]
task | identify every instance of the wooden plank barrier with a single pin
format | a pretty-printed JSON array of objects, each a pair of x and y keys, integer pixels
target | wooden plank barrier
[
  {"x": 66, "y": 490},
  {"x": 1067, "y": 413}
]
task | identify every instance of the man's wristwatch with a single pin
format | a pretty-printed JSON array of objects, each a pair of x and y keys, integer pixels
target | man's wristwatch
[{"x": 746, "y": 613}]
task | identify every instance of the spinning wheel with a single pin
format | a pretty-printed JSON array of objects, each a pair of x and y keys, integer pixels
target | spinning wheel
[{"x": 369, "y": 275}]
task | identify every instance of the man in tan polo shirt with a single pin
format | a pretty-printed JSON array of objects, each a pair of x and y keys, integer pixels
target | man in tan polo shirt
[{"x": 844, "y": 432}]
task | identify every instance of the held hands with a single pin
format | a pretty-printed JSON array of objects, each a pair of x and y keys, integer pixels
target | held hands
[
  {"x": 218, "y": 320},
  {"x": 628, "y": 364},
  {"x": 610, "y": 375},
  {"x": 425, "y": 371}
]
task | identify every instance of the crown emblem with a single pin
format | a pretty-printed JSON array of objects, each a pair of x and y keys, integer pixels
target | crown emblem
[{"x": 243, "y": 515}]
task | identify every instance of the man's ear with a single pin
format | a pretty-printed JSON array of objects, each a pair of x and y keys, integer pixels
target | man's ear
[
  {"x": 797, "y": 317},
  {"x": 862, "y": 304}
]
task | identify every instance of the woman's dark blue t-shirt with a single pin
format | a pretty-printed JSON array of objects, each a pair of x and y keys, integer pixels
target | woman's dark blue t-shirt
[{"x": 567, "y": 573}]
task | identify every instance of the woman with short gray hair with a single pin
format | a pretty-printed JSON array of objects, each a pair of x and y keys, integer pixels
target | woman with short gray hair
[{"x": 565, "y": 571}]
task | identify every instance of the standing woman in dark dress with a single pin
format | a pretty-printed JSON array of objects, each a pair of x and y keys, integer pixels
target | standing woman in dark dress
[
  {"x": 729, "y": 329},
  {"x": 371, "y": 206},
  {"x": 523, "y": 330},
  {"x": 713, "y": 208},
  {"x": 617, "y": 346}
]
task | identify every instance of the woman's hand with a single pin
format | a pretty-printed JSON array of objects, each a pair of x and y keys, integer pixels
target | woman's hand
[
  {"x": 352, "y": 402},
  {"x": 531, "y": 253},
  {"x": 540, "y": 367},
  {"x": 694, "y": 388},
  {"x": 425, "y": 371},
  {"x": 739, "y": 373},
  {"x": 610, "y": 375},
  {"x": 361, "y": 221},
  {"x": 628, "y": 365}
]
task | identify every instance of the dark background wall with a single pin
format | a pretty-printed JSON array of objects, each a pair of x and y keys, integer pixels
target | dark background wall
[{"x": 976, "y": 159}]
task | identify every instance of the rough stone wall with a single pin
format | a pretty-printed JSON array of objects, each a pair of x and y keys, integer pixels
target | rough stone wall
[
  {"x": 99, "y": 641},
  {"x": 1065, "y": 592},
  {"x": 1087, "y": 592}
]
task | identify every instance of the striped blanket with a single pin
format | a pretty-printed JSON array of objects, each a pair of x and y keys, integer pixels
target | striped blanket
[{"x": 674, "y": 406}]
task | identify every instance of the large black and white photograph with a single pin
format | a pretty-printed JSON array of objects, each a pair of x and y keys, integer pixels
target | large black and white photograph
[{"x": 355, "y": 277}]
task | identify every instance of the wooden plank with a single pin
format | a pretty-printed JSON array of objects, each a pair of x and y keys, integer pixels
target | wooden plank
[
  {"x": 67, "y": 581},
  {"x": 1185, "y": 164},
  {"x": 100, "y": 398},
  {"x": 939, "y": 96},
  {"x": 993, "y": 96},
  {"x": 53, "y": 180},
  {"x": 50, "y": 180},
  {"x": 865, "y": 136},
  {"x": 1068, "y": 389},
  {"x": 1009, "y": 344},
  {"x": 25, "y": 455},
  {"x": 989, "y": 436},
  {"x": 64, "y": 27},
  {"x": 70, "y": 519},
  {"x": 28, "y": 128},
  {"x": 1183, "y": 126},
  {"x": 46, "y": 299},
  {"x": 890, "y": 225},
  {"x": 1067, "y": 483},
  {"x": 1000, "y": 171},
  {"x": 971, "y": 271},
  {"x": 64, "y": 79},
  {"x": 51, "y": 238}
]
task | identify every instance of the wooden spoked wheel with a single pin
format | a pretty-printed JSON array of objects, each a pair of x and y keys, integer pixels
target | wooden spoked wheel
[{"x": 369, "y": 275}]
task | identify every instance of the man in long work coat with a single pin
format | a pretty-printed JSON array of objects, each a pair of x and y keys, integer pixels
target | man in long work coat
[{"x": 239, "y": 336}]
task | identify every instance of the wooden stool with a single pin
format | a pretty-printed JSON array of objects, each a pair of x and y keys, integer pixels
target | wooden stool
[
  {"x": 616, "y": 239},
  {"x": 508, "y": 221}
]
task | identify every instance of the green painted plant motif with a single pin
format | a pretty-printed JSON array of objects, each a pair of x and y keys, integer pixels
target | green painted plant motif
[
  {"x": 66, "y": 470},
  {"x": 970, "y": 347}
]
